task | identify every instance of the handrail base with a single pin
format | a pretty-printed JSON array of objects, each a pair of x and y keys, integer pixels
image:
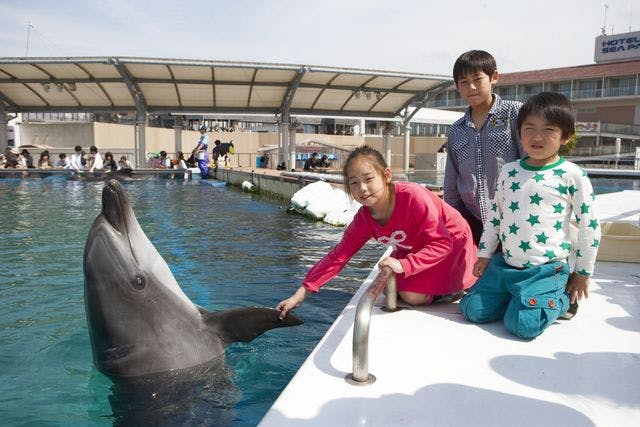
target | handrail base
[
  {"x": 391, "y": 310},
  {"x": 370, "y": 380}
]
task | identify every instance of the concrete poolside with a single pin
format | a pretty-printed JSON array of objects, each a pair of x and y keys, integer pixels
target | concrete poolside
[{"x": 434, "y": 368}]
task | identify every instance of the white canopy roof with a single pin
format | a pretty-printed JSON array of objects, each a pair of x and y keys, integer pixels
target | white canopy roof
[{"x": 104, "y": 84}]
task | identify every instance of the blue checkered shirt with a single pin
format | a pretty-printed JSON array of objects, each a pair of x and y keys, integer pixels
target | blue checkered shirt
[{"x": 475, "y": 157}]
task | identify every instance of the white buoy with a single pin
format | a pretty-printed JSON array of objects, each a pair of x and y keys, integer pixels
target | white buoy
[{"x": 247, "y": 186}]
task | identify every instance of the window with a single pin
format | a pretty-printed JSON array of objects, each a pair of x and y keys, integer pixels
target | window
[
  {"x": 454, "y": 98},
  {"x": 507, "y": 92},
  {"x": 588, "y": 89},
  {"x": 621, "y": 86},
  {"x": 527, "y": 90},
  {"x": 562, "y": 87}
]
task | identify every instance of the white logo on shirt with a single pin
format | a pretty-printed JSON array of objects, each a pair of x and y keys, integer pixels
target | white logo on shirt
[{"x": 395, "y": 240}]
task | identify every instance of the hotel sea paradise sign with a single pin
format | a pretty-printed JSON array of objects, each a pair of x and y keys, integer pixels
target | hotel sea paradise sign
[{"x": 617, "y": 47}]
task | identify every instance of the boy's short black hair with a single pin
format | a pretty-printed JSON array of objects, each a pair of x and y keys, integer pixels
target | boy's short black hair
[
  {"x": 553, "y": 107},
  {"x": 473, "y": 61}
]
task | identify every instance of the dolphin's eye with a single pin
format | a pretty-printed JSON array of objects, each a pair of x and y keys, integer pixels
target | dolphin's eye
[{"x": 139, "y": 282}]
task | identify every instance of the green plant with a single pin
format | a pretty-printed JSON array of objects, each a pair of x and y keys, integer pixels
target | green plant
[{"x": 566, "y": 149}]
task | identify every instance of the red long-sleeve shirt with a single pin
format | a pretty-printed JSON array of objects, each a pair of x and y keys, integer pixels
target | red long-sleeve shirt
[{"x": 422, "y": 228}]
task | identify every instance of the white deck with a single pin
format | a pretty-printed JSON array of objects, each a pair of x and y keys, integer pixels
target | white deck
[
  {"x": 434, "y": 368},
  {"x": 623, "y": 206}
]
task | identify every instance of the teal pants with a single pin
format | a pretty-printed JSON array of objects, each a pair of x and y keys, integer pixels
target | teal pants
[{"x": 528, "y": 300}]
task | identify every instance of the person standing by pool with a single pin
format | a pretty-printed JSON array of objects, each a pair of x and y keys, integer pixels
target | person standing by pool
[
  {"x": 179, "y": 162},
  {"x": 27, "y": 159},
  {"x": 44, "y": 162},
  {"x": 110, "y": 164},
  {"x": 62, "y": 162},
  {"x": 125, "y": 164},
  {"x": 200, "y": 152},
  {"x": 481, "y": 141},
  {"x": 310, "y": 163},
  {"x": 433, "y": 251},
  {"x": 76, "y": 159},
  {"x": 96, "y": 162}
]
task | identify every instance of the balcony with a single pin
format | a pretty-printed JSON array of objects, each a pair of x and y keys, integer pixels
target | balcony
[
  {"x": 587, "y": 93},
  {"x": 619, "y": 91},
  {"x": 610, "y": 92}
]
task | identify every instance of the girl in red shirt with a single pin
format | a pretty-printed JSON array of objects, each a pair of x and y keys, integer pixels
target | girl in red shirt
[{"x": 433, "y": 252}]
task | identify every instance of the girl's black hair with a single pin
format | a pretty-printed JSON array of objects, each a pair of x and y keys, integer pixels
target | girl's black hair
[{"x": 552, "y": 107}]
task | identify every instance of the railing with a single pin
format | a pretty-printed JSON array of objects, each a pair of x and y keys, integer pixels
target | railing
[
  {"x": 100, "y": 174},
  {"x": 386, "y": 279},
  {"x": 619, "y": 91},
  {"x": 620, "y": 128},
  {"x": 610, "y": 92}
]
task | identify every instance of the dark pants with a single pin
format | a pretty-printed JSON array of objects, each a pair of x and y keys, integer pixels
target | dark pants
[{"x": 475, "y": 224}]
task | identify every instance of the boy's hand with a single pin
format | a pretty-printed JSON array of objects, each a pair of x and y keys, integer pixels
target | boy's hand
[
  {"x": 480, "y": 266},
  {"x": 577, "y": 287},
  {"x": 392, "y": 263}
]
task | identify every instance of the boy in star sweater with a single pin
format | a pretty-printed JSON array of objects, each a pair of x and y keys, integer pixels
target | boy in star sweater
[{"x": 528, "y": 284}]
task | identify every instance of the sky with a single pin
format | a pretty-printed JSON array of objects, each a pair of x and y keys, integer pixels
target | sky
[{"x": 421, "y": 36}]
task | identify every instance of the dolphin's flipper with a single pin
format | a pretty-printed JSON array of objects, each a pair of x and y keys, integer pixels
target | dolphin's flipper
[{"x": 245, "y": 324}]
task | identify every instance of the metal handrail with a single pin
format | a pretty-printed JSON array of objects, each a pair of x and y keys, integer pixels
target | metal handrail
[{"x": 386, "y": 279}]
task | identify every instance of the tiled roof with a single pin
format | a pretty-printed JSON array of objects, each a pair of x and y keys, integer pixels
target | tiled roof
[{"x": 571, "y": 73}]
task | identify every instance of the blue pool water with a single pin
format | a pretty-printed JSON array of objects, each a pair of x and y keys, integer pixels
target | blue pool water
[{"x": 226, "y": 249}]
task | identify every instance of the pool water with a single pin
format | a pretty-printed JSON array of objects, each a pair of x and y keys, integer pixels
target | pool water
[{"x": 225, "y": 248}]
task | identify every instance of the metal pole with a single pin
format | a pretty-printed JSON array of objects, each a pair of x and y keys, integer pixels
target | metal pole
[
  {"x": 26, "y": 53},
  {"x": 177, "y": 129},
  {"x": 4, "y": 135},
  {"x": 385, "y": 278},
  {"x": 406, "y": 151},
  {"x": 141, "y": 154},
  {"x": 284, "y": 131},
  {"x": 292, "y": 146},
  {"x": 387, "y": 144}
]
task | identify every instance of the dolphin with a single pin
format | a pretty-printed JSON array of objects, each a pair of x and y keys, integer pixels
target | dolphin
[{"x": 140, "y": 321}]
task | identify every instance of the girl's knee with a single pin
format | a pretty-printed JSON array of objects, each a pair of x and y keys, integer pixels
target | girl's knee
[{"x": 414, "y": 298}]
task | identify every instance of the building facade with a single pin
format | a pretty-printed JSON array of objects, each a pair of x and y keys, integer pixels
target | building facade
[{"x": 605, "y": 95}]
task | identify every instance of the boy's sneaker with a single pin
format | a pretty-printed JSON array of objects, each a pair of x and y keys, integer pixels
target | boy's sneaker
[
  {"x": 448, "y": 297},
  {"x": 573, "y": 309}
]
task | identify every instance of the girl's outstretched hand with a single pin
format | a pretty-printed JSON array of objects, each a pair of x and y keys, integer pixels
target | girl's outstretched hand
[
  {"x": 392, "y": 263},
  {"x": 292, "y": 302}
]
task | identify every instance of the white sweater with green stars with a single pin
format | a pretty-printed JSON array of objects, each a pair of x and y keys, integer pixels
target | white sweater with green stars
[{"x": 531, "y": 213}]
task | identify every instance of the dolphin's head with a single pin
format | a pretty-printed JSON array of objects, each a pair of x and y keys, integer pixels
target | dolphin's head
[{"x": 135, "y": 308}]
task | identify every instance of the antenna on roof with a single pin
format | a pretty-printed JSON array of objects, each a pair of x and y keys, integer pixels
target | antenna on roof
[
  {"x": 604, "y": 26},
  {"x": 26, "y": 53}
]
